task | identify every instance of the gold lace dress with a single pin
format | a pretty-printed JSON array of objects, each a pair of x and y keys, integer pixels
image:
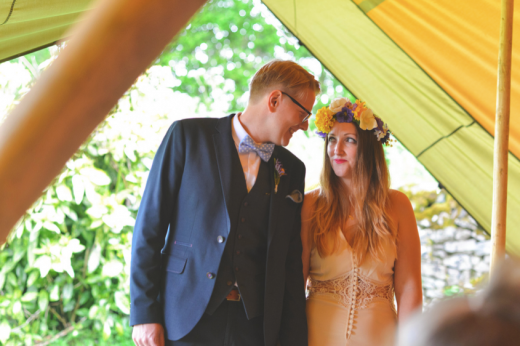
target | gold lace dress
[{"x": 351, "y": 304}]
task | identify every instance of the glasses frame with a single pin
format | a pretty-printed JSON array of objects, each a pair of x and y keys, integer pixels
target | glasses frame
[{"x": 298, "y": 103}]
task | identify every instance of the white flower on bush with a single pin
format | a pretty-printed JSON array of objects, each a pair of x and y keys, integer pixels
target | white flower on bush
[
  {"x": 112, "y": 268},
  {"x": 118, "y": 218},
  {"x": 337, "y": 104}
]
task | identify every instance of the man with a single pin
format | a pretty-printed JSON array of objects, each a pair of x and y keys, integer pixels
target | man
[{"x": 216, "y": 253}]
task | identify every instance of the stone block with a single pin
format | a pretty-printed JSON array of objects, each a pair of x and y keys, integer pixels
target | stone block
[
  {"x": 483, "y": 248},
  {"x": 463, "y": 234},
  {"x": 460, "y": 262},
  {"x": 433, "y": 293},
  {"x": 433, "y": 270},
  {"x": 439, "y": 254},
  {"x": 481, "y": 267},
  {"x": 461, "y": 246}
]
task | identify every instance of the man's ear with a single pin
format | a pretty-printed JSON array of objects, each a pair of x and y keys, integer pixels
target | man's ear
[{"x": 273, "y": 100}]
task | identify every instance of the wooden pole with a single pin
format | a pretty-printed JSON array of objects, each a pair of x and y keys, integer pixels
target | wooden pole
[
  {"x": 108, "y": 50},
  {"x": 500, "y": 164}
]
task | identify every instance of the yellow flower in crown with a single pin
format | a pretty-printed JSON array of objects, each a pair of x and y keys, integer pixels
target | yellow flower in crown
[
  {"x": 325, "y": 120},
  {"x": 360, "y": 108}
]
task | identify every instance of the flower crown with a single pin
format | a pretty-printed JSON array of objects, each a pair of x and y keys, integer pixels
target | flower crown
[{"x": 344, "y": 111}]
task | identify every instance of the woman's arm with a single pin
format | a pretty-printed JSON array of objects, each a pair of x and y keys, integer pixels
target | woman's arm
[
  {"x": 407, "y": 270},
  {"x": 307, "y": 209}
]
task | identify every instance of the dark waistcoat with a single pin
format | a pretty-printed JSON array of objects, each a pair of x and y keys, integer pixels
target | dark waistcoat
[{"x": 244, "y": 257}]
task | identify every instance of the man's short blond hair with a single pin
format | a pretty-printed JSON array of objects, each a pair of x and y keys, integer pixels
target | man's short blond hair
[{"x": 286, "y": 74}]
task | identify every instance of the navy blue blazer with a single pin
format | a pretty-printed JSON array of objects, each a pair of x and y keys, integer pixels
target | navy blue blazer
[{"x": 182, "y": 214}]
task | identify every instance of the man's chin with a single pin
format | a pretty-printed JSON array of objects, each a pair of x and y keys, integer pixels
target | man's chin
[{"x": 286, "y": 139}]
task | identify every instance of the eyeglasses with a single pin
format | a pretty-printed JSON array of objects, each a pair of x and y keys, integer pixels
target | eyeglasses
[{"x": 305, "y": 109}]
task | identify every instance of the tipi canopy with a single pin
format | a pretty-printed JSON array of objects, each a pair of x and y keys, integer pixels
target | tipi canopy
[{"x": 429, "y": 69}]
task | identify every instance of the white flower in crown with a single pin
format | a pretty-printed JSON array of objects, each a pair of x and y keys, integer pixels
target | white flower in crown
[
  {"x": 381, "y": 134},
  {"x": 337, "y": 104},
  {"x": 367, "y": 120}
]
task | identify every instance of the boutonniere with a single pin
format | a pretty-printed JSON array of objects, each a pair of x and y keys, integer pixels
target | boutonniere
[{"x": 279, "y": 172}]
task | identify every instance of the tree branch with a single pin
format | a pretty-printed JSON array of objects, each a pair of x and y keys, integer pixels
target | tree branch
[
  {"x": 85, "y": 263},
  {"x": 60, "y": 334},
  {"x": 29, "y": 320},
  {"x": 58, "y": 316}
]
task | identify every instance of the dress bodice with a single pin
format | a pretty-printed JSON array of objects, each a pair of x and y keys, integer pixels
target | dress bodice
[
  {"x": 342, "y": 262},
  {"x": 354, "y": 286}
]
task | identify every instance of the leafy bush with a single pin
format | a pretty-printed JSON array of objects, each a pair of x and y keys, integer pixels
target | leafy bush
[{"x": 67, "y": 263}]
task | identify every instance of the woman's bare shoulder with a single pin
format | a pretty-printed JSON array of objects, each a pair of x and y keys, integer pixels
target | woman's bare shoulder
[
  {"x": 398, "y": 198},
  {"x": 401, "y": 210},
  {"x": 313, "y": 194}
]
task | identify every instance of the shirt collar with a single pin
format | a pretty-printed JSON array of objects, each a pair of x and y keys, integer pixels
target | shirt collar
[{"x": 238, "y": 130}]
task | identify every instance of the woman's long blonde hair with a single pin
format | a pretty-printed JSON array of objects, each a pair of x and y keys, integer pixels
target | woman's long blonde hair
[{"x": 367, "y": 199}]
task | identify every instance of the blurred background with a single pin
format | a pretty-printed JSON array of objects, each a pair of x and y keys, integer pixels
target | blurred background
[{"x": 64, "y": 270}]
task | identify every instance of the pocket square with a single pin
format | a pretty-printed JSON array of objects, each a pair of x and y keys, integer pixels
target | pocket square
[{"x": 296, "y": 196}]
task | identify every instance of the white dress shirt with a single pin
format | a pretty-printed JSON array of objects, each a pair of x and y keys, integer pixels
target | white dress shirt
[{"x": 250, "y": 161}]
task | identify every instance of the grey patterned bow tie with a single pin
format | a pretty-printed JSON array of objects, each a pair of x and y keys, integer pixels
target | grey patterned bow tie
[{"x": 264, "y": 150}]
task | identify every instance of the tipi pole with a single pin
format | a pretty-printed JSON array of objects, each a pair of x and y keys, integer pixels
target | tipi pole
[{"x": 500, "y": 164}]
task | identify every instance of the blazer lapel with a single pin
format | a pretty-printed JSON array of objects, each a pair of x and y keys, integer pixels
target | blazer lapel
[{"x": 230, "y": 169}]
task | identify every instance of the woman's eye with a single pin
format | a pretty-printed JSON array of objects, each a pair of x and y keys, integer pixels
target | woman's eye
[{"x": 351, "y": 140}]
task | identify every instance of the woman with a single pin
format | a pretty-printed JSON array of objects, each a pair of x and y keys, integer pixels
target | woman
[{"x": 360, "y": 239}]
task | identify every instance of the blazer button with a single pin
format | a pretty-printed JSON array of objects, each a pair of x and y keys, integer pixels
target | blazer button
[
  {"x": 220, "y": 239},
  {"x": 238, "y": 252},
  {"x": 210, "y": 275},
  {"x": 229, "y": 283},
  {"x": 236, "y": 269},
  {"x": 243, "y": 219},
  {"x": 240, "y": 236},
  {"x": 246, "y": 204}
]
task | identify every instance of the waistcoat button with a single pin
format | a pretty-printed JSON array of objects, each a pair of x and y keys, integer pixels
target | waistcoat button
[
  {"x": 240, "y": 236},
  {"x": 238, "y": 252},
  {"x": 245, "y": 204},
  {"x": 229, "y": 283},
  {"x": 220, "y": 239},
  {"x": 243, "y": 219},
  {"x": 210, "y": 275},
  {"x": 236, "y": 269}
]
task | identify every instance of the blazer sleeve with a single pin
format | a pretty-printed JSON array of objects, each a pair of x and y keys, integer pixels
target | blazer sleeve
[
  {"x": 151, "y": 227},
  {"x": 293, "y": 328}
]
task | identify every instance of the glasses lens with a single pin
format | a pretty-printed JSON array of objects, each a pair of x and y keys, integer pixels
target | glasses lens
[{"x": 307, "y": 117}]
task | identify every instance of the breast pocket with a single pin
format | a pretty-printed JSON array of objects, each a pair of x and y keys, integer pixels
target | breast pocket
[{"x": 174, "y": 264}]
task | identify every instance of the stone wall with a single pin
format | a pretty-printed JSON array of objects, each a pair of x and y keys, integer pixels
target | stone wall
[
  {"x": 455, "y": 259},
  {"x": 455, "y": 250}
]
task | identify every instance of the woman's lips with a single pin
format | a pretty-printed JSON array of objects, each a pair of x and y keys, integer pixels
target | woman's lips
[{"x": 339, "y": 161}]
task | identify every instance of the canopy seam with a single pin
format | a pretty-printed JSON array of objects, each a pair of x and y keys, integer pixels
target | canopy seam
[
  {"x": 444, "y": 137},
  {"x": 10, "y": 12}
]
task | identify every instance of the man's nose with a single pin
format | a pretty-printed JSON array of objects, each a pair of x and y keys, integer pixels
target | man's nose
[{"x": 304, "y": 126}]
